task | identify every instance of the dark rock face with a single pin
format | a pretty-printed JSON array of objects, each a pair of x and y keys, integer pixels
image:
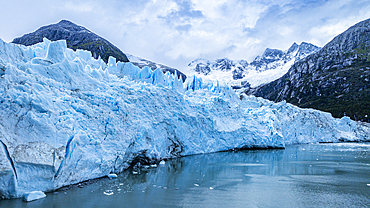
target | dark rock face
[
  {"x": 335, "y": 79},
  {"x": 77, "y": 37},
  {"x": 297, "y": 52},
  {"x": 238, "y": 73},
  {"x": 202, "y": 68},
  {"x": 224, "y": 64},
  {"x": 205, "y": 67}
]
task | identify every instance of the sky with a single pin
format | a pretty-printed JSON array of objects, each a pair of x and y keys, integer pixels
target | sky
[{"x": 175, "y": 32}]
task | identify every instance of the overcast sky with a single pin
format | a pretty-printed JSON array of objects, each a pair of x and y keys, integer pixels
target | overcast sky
[{"x": 176, "y": 32}]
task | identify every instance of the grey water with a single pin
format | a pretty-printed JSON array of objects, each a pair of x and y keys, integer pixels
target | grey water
[{"x": 315, "y": 175}]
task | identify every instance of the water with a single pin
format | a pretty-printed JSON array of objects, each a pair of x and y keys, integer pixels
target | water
[{"x": 320, "y": 175}]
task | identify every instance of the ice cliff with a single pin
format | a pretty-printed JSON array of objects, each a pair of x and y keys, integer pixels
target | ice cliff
[{"x": 66, "y": 117}]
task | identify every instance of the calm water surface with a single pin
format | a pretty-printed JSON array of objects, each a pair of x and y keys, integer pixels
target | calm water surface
[{"x": 319, "y": 175}]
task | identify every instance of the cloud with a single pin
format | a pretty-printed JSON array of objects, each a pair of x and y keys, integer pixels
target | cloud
[
  {"x": 79, "y": 7},
  {"x": 182, "y": 18},
  {"x": 174, "y": 32}
]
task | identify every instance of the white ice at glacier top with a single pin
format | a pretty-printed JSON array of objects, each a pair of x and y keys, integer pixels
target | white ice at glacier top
[{"x": 66, "y": 117}]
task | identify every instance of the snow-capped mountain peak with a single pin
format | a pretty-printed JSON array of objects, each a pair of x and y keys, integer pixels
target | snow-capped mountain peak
[
  {"x": 271, "y": 65},
  {"x": 203, "y": 66},
  {"x": 293, "y": 48},
  {"x": 304, "y": 50}
]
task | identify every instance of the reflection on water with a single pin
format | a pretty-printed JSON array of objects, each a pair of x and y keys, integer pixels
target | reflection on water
[{"x": 322, "y": 175}]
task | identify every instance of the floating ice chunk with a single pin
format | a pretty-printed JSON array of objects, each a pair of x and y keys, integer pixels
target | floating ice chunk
[
  {"x": 162, "y": 162},
  {"x": 108, "y": 192},
  {"x": 195, "y": 184},
  {"x": 153, "y": 166},
  {"x": 211, "y": 188},
  {"x": 112, "y": 175},
  {"x": 34, "y": 195}
]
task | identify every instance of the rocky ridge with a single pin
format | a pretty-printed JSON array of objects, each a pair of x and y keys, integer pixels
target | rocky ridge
[
  {"x": 77, "y": 37},
  {"x": 335, "y": 79},
  {"x": 240, "y": 73}
]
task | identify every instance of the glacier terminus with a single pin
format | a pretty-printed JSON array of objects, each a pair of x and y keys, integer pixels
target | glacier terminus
[{"x": 66, "y": 117}]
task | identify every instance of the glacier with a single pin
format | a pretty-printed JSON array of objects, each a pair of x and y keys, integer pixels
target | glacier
[{"x": 66, "y": 117}]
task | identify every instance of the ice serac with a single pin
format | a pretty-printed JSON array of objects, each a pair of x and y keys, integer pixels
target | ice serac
[
  {"x": 141, "y": 63},
  {"x": 66, "y": 117},
  {"x": 56, "y": 50}
]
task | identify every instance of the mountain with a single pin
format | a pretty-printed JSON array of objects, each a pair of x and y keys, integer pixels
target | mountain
[
  {"x": 269, "y": 66},
  {"x": 66, "y": 118},
  {"x": 141, "y": 63},
  {"x": 77, "y": 37},
  {"x": 274, "y": 58},
  {"x": 335, "y": 79}
]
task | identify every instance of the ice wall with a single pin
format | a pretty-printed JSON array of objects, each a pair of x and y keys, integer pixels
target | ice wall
[{"x": 66, "y": 117}]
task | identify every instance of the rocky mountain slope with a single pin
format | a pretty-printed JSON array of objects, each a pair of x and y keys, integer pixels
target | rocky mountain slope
[
  {"x": 336, "y": 79},
  {"x": 269, "y": 66},
  {"x": 77, "y": 37}
]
